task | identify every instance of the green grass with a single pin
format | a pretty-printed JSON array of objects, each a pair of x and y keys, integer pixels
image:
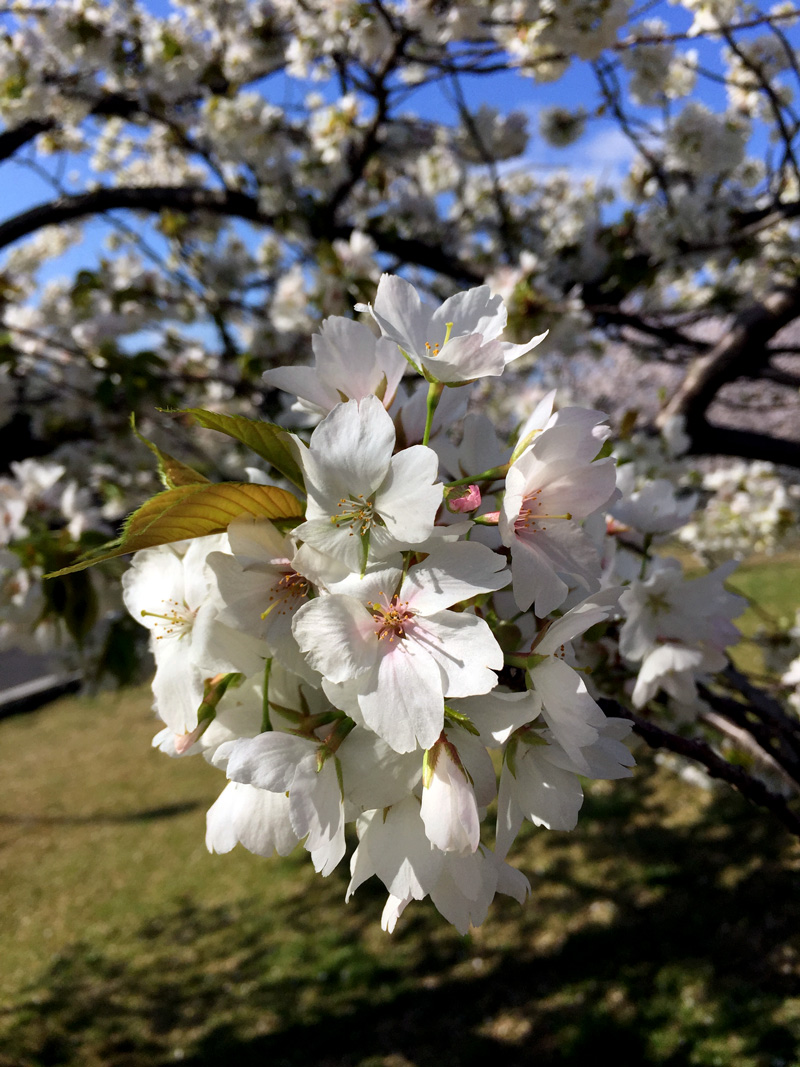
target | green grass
[
  {"x": 772, "y": 585},
  {"x": 663, "y": 931}
]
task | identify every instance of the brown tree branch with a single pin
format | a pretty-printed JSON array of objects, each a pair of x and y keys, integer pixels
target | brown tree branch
[
  {"x": 742, "y": 351},
  {"x": 231, "y": 203},
  {"x": 717, "y": 767},
  {"x": 710, "y": 440}
]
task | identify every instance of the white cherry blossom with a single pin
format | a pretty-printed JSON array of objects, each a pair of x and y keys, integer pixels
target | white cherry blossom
[
  {"x": 350, "y": 363},
  {"x": 390, "y": 652},
  {"x": 364, "y": 502},
  {"x": 549, "y": 488},
  {"x": 456, "y": 342}
]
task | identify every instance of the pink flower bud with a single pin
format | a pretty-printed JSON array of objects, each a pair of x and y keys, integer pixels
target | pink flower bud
[
  {"x": 183, "y": 742},
  {"x": 469, "y": 499}
]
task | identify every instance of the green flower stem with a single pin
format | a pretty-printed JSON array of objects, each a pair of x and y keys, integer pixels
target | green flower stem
[
  {"x": 516, "y": 661},
  {"x": 435, "y": 390},
  {"x": 266, "y": 724},
  {"x": 491, "y": 475}
]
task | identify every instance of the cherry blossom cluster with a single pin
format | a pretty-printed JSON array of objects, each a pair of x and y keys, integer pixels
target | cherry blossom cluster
[
  {"x": 252, "y": 167},
  {"x": 413, "y": 650}
]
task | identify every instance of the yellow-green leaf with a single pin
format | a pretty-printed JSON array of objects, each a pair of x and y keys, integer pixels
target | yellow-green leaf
[
  {"x": 172, "y": 471},
  {"x": 264, "y": 438},
  {"x": 189, "y": 511}
]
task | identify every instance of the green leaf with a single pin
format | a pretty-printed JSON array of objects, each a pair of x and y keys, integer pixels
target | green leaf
[
  {"x": 606, "y": 450},
  {"x": 193, "y": 511},
  {"x": 460, "y": 719},
  {"x": 173, "y": 473},
  {"x": 264, "y": 438}
]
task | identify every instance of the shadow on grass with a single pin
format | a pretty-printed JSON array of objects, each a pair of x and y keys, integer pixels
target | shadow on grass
[
  {"x": 164, "y": 811},
  {"x": 656, "y": 946}
]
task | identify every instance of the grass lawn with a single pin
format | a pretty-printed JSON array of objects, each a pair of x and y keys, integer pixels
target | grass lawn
[
  {"x": 773, "y": 588},
  {"x": 663, "y": 931}
]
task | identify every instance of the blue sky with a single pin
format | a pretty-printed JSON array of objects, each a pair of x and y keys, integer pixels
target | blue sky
[{"x": 603, "y": 152}]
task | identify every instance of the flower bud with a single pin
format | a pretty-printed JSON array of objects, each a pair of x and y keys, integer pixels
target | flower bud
[{"x": 462, "y": 498}]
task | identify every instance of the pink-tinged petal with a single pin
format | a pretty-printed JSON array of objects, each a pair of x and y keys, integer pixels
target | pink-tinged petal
[
  {"x": 408, "y": 500},
  {"x": 247, "y": 595},
  {"x": 512, "y": 504},
  {"x": 379, "y": 580},
  {"x": 465, "y": 649},
  {"x": 402, "y": 700},
  {"x": 536, "y": 559},
  {"x": 337, "y": 636},
  {"x": 581, "y": 491},
  {"x": 451, "y": 573}
]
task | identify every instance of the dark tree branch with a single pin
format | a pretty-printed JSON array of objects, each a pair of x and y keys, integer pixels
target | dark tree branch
[
  {"x": 137, "y": 198},
  {"x": 742, "y": 351},
  {"x": 778, "y": 749},
  {"x": 768, "y": 708},
  {"x": 717, "y": 767},
  {"x": 613, "y": 315},
  {"x": 774, "y": 374},
  {"x": 11, "y": 140},
  {"x": 710, "y": 440},
  {"x": 111, "y": 105},
  {"x": 226, "y": 202}
]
